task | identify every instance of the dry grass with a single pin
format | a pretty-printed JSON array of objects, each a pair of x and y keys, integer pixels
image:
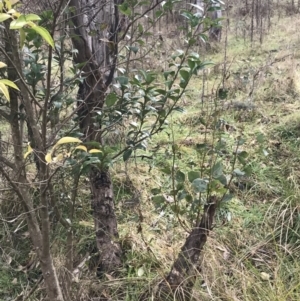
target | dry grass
[{"x": 253, "y": 252}]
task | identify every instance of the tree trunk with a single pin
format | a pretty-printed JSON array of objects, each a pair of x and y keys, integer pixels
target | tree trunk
[
  {"x": 39, "y": 234},
  {"x": 180, "y": 281},
  {"x": 105, "y": 222},
  {"x": 99, "y": 52}
]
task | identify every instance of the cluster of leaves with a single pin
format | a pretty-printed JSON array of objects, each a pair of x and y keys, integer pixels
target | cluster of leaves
[
  {"x": 210, "y": 175},
  {"x": 22, "y": 23},
  {"x": 144, "y": 104},
  {"x": 140, "y": 104}
]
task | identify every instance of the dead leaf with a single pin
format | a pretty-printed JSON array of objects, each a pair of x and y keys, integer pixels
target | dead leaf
[
  {"x": 109, "y": 277},
  {"x": 15, "y": 281},
  {"x": 265, "y": 276},
  {"x": 226, "y": 255}
]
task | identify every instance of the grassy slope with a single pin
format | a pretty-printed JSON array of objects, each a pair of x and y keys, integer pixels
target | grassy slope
[
  {"x": 254, "y": 255},
  {"x": 260, "y": 227}
]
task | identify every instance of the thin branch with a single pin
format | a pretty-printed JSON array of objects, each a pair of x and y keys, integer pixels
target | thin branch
[
  {"x": 13, "y": 185},
  {"x": 7, "y": 162},
  {"x": 19, "y": 216},
  {"x": 141, "y": 16}
]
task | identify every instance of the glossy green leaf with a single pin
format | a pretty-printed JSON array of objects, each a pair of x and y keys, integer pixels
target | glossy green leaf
[
  {"x": 127, "y": 154},
  {"x": 123, "y": 80},
  {"x": 222, "y": 93},
  {"x": 191, "y": 64},
  {"x": 201, "y": 147},
  {"x": 167, "y": 73},
  {"x": 237, "y": 172},
  {"x": 217, "y": 169},
  {"x": 44, "y": 34},
  {"x": 180, "y": 176},
  {"x": 199, "y": 185},
  {"x": 134, "y": 49},
  {"x": 242, "y": 156},
  {"x": 192, "y": 175},
  {"x": 227, "y": 197},
  {"x": 241, "y": 141},
  {"x": 111, "y": 99},
  {"x": 185, "y": 75},
  {"x": 159, "y": 13},
  {"x": 260, "y": 138},
  {"x": 189, "y": 198},
  {"x": 222, "y": 179},
  {"x": 181, "y": 195},
  {"x": 166, "y": 170},
  {"x": 159, "y": 199},
  {"x": 124, "y": 9},
  {"x": 155, "y": 191}
]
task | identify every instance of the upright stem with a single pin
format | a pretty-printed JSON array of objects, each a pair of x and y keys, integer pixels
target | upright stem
[{"x": 40, "y": 236}]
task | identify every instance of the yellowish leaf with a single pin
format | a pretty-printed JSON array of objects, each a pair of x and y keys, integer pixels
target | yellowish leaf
[
  {"x": 65, "y": 140},
  {"x": 24, "y": 20},
  {"x": 4, "y": 17},
  {"x": 8, "y": 4},
  {"x": 16, "y": 14},
  {"x": 18, "y": 23},
  {"x": 29, "y": 151},
  {"x": 30, "y": 23},
  {"x": 32, "y": 17},
  {"x": 58, "y": 158},
  {"x": 11, "y": 11},
  {"x": 94, "y": 150},
  {"x": 22, "y": 37},
  {"x": 4, "y": 90},
  {"x": 86, "y": 224},
  {"x": 9, "y": 83},
  {"x": 82, "y": 147},
  {"x": 43, "y": 32},
  {"x": 264, "y": 276},
  {"x": 27, "y": 154},
  {"x": 48, "y": 158},
  {"x": 109, "y": 277},
  {"x": 13, "y": 2},
  {"x": 2, "y": 65}
]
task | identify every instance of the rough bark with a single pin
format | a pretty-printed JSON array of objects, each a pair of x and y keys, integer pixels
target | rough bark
[
  {"x": 98, "y": 52},
  {"x": 105, "y": 222},
  {"x": 179, "y": 283}
]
